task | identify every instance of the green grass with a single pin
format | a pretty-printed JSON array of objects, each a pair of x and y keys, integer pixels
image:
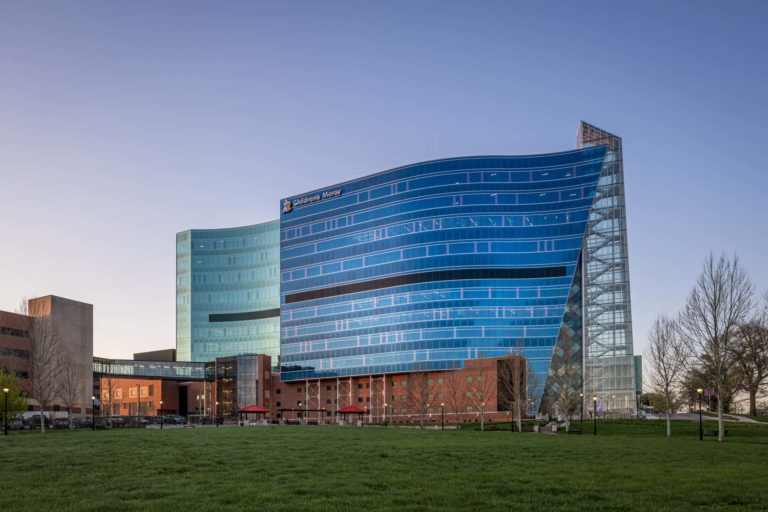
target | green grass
[{"x": 628, "y": 466}]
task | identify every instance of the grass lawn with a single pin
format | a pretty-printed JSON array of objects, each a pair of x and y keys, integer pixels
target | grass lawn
[{"x": 628, "y": 466}]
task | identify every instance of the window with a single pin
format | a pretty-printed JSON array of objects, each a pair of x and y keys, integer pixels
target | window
[
  {"x": 359, "y": 399},
  {"x": 277, "y": 404},
  {"x": 328, "y": 401},
  {"x": 440, "y": 381},
  {"x": 359, "y": 386},
  {"x": 394, "y": 383},
  {"x": 367, "y": 399},
  {"x": 469, "y": 379},
  {"x": 151, "y": 390},
  {"x": 368, "y": 385},
  {"x": 327, "y": 388},
  {"x": 469, "y": 394},
  {"x": 430, "y": 382},
  {"x": 278, "y": 391},
  {"x": 298, "y": 390},
  {"x": 479, "y": 378},
  {"x": 133, "y": 392}
]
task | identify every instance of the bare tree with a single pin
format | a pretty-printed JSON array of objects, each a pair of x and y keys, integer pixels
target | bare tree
[
  {"x": 71, "y": 383},
  {"x": 482, "y": 389},
  {"x": 751, "y": 354},
  {"x": 418, "y": 393},
  {"x": 47, "y": 348},
  {"x": 513, "y": 387},
  {"x": 667, "y": 358},
  {"x": 455, "y": 392},
  {"x": 718, "y": 303}
]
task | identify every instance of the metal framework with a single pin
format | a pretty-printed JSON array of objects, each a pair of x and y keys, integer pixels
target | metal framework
[{"x": 608, "y": 351}]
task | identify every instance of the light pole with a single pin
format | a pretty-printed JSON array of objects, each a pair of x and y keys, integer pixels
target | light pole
[
  {"x": 385, "y": 415},
  {"x": 442, "y": 415},
  {"x": 161, "y": 415},
  {"x": 300, "y": 415},
  {"x": 5, "y": 414},
  {"x": 594, "y": 415},
  {"x": 93, "y": 413},
  {"x": 581, "y": 409},
  {"x": 699, "y": 391},
  {"x": 199, "y": 409},
  {"x": 216, "y": 419}
]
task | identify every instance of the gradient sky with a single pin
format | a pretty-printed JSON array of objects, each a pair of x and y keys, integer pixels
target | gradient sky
[{"x": 122, "y": 123}]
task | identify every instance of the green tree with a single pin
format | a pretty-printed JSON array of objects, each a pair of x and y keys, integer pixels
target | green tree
[{"x": 17, "y": 403}]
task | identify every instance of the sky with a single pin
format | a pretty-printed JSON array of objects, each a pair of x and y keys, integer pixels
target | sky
[{"x": 123, "y": 123}]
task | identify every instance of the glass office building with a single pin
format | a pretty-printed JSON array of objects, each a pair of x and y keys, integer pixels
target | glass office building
[
  {"x": 424, "y": 266},
  {"x": 227, "y": 292}
]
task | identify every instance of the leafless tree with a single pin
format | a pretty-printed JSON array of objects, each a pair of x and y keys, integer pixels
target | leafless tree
[
  {"x": 667, "y": 360},
  {"x": 46, "y": 351},
  {"x": 719, "y": 302},
  {"x": 455, "y": 392},
  {"x": 751, "y": 353},
  {"x": 71, "y": 383},
  {"x": 418, "y": 393},
  {"x": 513, "y": 386},
  {"x": 481, "y": 390}
]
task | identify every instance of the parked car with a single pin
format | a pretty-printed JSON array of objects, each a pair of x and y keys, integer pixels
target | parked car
[
  {"x": 83, "y": 423},
  {"x": 16, "y": 425},
  {"x": 146, "y": 420},
  {"x": 175, "y": 419},
  {"x": 60, "y": 423},
  {"x": 117, "y": 420},
  {"x": 34, "y": 421}
]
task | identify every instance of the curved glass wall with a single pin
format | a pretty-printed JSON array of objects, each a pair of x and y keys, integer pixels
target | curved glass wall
[
  {"x": 227, "y": 292},
  {"x": 421, "y": 267}
]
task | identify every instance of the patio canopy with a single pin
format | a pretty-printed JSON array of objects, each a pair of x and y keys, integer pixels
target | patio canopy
[
  {"x": 253, "y": 408},
  {"x": 350, "y": 409}
]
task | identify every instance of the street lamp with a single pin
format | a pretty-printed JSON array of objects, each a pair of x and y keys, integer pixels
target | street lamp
[
  {"x": 699, "y": 391},
  {"x": 385, "y": 415},
  {"x": 300, "y": 415},
  {"x": 581, "y": 409},
  {"x": 594, "y": 415},
  {"x": 138, "y": 400},
  {"x": 161, "y": 415},
  {"x": 5, "y": 415},
  {"x": 199, "y": 409},
  {"x": 93, "y": 413},
  {"x": 442, "y": 415},
  {"x": 216, "y": 419}
]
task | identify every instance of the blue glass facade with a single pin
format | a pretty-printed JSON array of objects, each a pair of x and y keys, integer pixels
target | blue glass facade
[
  {"x": 227, "y": 292},
  {"x": 421, "y": 267}
]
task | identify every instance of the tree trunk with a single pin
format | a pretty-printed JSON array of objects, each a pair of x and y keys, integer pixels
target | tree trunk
[
  {"x": 482, "y": 420},
  {"x": 42, "y": 420},
  {"x": 669, "y": 424},
  {"x": 753, "y": 401},
  {"x": 720, "y": 420}
]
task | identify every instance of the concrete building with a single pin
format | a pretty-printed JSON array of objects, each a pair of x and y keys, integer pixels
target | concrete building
[{"x": 71, "y": 322}]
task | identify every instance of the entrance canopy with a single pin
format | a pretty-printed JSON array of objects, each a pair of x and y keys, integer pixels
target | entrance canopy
[{"x": 350, "y": 409}]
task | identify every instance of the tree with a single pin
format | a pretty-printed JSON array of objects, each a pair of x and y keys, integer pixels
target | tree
[
  {"x": 751, "y": 354},
  {"x": 481, "y": 390},
  {"x": 455, "y": 392},
  {"x": 17, "y": 404},
  {"x": 418, "y": 393},
  {"x": 46, "y": 353},
  {"x": 667, "y": 358},
  {"x": 71, "y": 383},
  {"x": 513, "y": 376},
  {"x": 717, "y": 305}
]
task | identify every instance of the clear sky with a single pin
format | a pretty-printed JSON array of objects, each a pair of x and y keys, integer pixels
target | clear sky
[{"x": 122, "y": 123}]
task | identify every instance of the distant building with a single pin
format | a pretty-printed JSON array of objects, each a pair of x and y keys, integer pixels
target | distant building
[{"x": 73, "y": 324}]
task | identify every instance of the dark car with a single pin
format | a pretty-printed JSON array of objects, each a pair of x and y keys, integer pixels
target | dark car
[{"x": 16, "y": 425}]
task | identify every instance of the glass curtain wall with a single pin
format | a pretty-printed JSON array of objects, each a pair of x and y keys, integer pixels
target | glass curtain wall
[
  {"x": 227, "y": 292},
  {"x": 608, "y": 356}
]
